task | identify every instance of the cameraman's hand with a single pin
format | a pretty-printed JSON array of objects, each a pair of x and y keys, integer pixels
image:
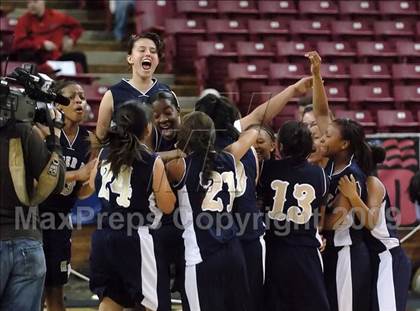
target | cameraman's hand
[
  {"x": 55, "y": 116},
  {"x": 49, "y": 45}
]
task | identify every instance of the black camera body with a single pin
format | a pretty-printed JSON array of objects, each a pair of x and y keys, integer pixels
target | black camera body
[{"x": 25, "y": 96}]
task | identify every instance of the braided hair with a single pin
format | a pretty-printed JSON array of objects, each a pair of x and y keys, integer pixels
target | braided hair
[{"x": 353, "y": 132}]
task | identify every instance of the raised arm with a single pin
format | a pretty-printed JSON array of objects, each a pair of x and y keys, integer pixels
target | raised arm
[
  {"x": 319, "y": 96},
  {"x": 104, "y": 115},
  {"x": 367, "y": 214},
  {"x": 267, "y": 111},
  {"x": 242, "y": 145}
]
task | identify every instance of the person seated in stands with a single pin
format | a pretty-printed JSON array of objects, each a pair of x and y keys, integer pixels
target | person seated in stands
[{"x": 44, "y": 34}]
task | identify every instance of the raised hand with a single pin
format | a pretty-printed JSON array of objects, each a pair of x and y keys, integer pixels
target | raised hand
[{"x": 315, "y": 60}]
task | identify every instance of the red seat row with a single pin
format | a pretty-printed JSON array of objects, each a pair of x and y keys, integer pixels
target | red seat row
[{"x": 153, "y": 13}]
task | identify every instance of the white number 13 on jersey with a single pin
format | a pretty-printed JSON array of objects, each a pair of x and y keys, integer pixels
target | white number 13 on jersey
[{"x": 303, "y": 193}]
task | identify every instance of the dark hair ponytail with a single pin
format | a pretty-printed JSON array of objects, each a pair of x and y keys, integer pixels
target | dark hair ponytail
[
  {"x": 222, "y": 112},
  {"x": 123, "y": 139},
  {"x": 354, "y": 133},
  {"x": 295, "y": 140},
  {"x": 197, "y": 134}
]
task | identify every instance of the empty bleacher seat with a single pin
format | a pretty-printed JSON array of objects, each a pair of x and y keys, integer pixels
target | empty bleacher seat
[
  {"x": 244, "y": 82},
  {"x": 399, "y": 9},
  {"x": 227, "y": 30},
  {"x": 376, "y": 51},
  {"x": 94, "y": 93},
  {"x": 358, "y": 9},
  {"x": 319, "y": 9},
  {"x": 292, "y": 51},
  {"x": 260, "y": 53},
  {"x": 364, "y": 117},
  {"x": 310, "y": 30},
  {"x": 407, "y": 73},
  {"x": 151, "y": 15},
  {"x": 393, "y": 30},
  {"x": 286, "y": 73},
  {"x": 408, "y": 96},
  {"x": 269, "y": 30},
  {"x": 238, "y": 9},
  {"x": 335, "y": 72},
  {"x": 337, "y": 95},
  {"x": 366, "y": 95},
  {"x": 7, "y": 25},
  {"x": 396, "y": 120},
  {"x": 369, "y": 72},
  {"x": 197, "y": 9},
  {"x": 213, "y": 58},
  {"x": 408, "y": 51},
  {"x": 337, "y": 51},
  {"x": 280, "y": 9},
  {"x": 181, "y": 43},
  {"x": 352, "y": 30}
]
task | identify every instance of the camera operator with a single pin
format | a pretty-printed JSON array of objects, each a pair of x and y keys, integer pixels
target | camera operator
[{"x": 31, "y": 169}]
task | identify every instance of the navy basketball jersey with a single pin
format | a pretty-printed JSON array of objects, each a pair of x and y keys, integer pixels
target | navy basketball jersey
[
  {"x": 248, "y": 216},
  {"x": 75, "y": 155},
  {"x": 205, "y": 207},
  {"x": 383, "y": 236},
  {"x": 346, "y": 233},
  {"x": 123, "y": 91},
  {"x": 293, "y": 194},
  {"x": 162, "y": 144},
  {"x": 128, "y": 196}
]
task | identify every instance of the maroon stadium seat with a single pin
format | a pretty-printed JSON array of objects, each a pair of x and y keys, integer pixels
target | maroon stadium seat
[
  {"x": 385, "y": 30},
  {"x": 418, "y": 30},
  {"x": 260, "y": 53},
  {"x": 376, "y": 51},
  {"x": 396, "y": 120},
  {"x": 336, "y": 73},
  {"x": 244, "y": 82},
  {"x": 399, "y": 9},
  {"x": 408, "y": 96},
  {"x": 408, "y": 51},
  {"x": 319, "y": 9},
  {"x": 242, "y": 9},
  {"x": 358, "y": 9},
  {"x": 94, "y": 93},
  {"x": 310, "y": 30},
  {"x": 336, "y": 51},
  {"x": 6, "y": 44},
  {"x": 181, "y": 43},
  {"x": 268, "y": 30},
  {"x": 286, "y": 73},
  {"x": 364, "y": 117},
  {"x": 151, "y": 15},
  {"x": 280, "y": 9},
  {"x": 199, "y": 10},
  {"x": 227, "y": 30},
  {"x": 337, "y": 95},
  {"x": 407, "y": 73},
  {"x": 212, "y": 61},
  {"x": 369, "y": 72},
  {"x": 373, "y": 97},
  {"x": 10, "y": 67},
  {"x": 352, "y": 30},
  {"x": 418, "y": 115},
  {"x": 292, "y": 51}
]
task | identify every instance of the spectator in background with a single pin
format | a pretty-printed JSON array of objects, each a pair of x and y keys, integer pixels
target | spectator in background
[
  {"x": 120, "y": 9},
  {"x": 45, "y": 34}
]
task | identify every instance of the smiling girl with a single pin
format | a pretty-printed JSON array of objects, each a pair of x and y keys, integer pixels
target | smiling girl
[{"x": 144, "y": 53}]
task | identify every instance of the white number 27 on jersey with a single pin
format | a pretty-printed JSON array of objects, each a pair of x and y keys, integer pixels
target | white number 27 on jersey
[
  {"x": 216, "y": 205},
  {"x": 303, "y": 193},
  {"x": 120, "y": 185}
]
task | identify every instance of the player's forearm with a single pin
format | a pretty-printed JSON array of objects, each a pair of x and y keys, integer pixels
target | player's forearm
[{"x": 365, "y": 215}]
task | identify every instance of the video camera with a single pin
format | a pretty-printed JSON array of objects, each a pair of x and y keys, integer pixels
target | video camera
[{"x": 30, "y": 102}]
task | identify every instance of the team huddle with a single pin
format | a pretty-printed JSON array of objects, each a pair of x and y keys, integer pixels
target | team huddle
[{"x": 245, "y": 230}]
